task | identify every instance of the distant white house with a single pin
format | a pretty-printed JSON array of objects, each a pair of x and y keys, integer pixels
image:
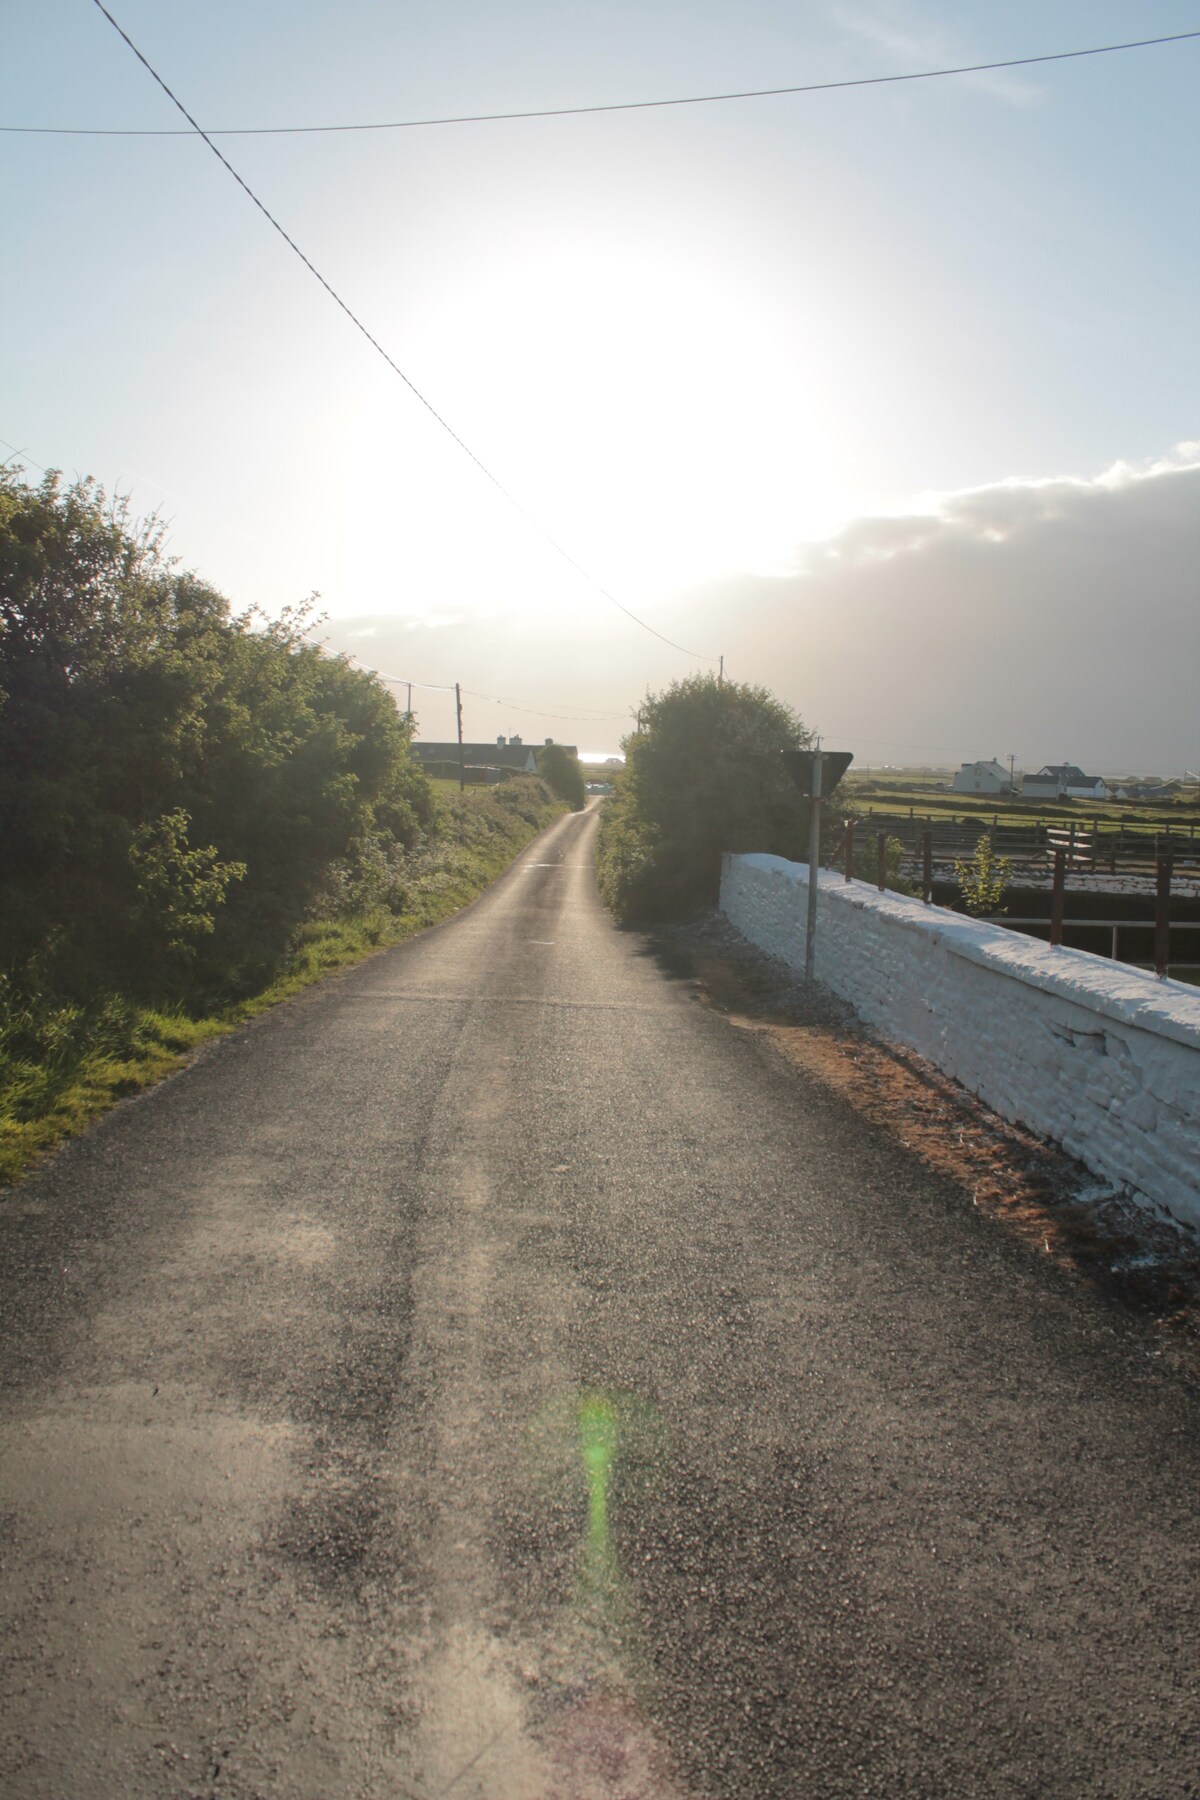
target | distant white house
[
  {"x": 1063, "y": 781},
  {"x": 1092, "y": 787},
  {"x": 981, "y": 778}
]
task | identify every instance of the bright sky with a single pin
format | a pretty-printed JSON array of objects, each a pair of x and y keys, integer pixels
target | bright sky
[{"x": 714, "y": 350}]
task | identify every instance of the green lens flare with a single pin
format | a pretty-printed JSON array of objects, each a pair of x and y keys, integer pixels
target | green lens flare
[
  {"x": 598, "y": 1444},
  {"x": 600, "y": 1451},
  {"x": 597, "y": 1422}
]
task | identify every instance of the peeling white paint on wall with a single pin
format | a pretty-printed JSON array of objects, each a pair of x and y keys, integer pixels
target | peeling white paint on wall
[{"x": 1101, "y": 1058}]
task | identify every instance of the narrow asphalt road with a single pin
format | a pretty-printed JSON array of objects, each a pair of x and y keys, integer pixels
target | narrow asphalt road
[{"x": 494, "y": 1375}]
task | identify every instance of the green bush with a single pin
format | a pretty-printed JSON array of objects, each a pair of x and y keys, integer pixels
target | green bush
[
  {"x": 200, "y": 812},
  {"x": 983, "y": 880},
  {"x": 702, "y": 775},
  {"x": 561, "y": 770},
  {"x": 137, "y": 712},
  {"x": 62, "y": 1061},
  {"x": 179, "y": 890}
]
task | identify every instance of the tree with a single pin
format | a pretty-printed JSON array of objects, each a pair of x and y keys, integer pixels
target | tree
[
  {"x": 171, "y": 773},
  {"x": 703, "y": 775},
  {"x": 984, "y": 880},
  {"x": 560, "y": 769}
]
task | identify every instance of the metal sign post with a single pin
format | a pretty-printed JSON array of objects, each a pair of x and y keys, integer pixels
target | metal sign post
[
  {"x": 815, "y": 773},
  {"x": 814, "y": 868}
]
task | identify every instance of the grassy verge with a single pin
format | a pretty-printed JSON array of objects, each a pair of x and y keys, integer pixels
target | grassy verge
[{"x": 62, "y": 1064}]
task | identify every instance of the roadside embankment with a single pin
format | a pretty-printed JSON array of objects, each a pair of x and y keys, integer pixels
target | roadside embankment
[
  {"x": 65, "y": 1060},
  {"x": 1104, "y": 1061}
]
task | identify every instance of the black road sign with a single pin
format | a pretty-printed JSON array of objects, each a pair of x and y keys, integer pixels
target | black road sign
[{"x": 834, "y": 764}]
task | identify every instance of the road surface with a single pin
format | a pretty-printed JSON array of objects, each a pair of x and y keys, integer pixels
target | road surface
[{"x": 493, "y": 1375}]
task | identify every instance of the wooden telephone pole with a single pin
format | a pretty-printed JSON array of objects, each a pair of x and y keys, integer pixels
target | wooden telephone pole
[{"x": 462, "y": 768}]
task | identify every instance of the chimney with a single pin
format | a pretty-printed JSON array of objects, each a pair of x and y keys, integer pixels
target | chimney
[
  {"x": 514, "y": 740},
  {"x": 500, "y": 743},
  {"x": 549, "y": 741}
]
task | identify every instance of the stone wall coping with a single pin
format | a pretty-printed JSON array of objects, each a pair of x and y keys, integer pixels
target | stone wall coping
[{"x": 1130, "y": 997}]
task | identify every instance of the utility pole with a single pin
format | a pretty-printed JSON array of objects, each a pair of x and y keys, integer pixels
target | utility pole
[
  {"x": 410, "y": 700},
  {"x": 1012, "y": 763},
  {"x": 462, "y": 768},
  {"x": 720, "y": 671}
]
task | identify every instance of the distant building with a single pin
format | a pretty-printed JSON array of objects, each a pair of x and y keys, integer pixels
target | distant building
[
  {"x": 514, "y": 755},
  {"x": 509, "y": 755},
  {"x": 982, "y": 778},
  {"x": 1151, "y": 789},
  {"x": 1063, "y": 781}
]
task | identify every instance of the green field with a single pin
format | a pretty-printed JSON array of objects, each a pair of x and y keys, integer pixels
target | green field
[{"x": 921, "y": 795}]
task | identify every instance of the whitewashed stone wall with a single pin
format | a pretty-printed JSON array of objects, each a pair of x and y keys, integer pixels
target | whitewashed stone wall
[{"x": 1103, "y": 1059}]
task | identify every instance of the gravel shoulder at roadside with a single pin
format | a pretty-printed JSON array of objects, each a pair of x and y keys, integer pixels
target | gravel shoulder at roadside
[{"x": 1145, "y": 1260}]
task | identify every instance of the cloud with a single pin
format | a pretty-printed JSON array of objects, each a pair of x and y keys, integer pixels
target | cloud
[
  {"x": 1051, "y": 618},
  {"x": 1056, "y": 618}
]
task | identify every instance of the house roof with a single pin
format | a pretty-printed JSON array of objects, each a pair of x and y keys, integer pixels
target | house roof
[
  {"x": 1069, "y": 773},
  {"x": 1065, "y": 775},
  {"x": 490, "y": 756}
]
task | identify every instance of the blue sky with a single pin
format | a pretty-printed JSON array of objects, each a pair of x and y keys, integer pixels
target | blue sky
[{"x": 705, "y": 347}]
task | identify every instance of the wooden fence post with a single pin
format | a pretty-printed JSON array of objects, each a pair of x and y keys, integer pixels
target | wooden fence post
[
  {"x": 1058, "y": 897},
  {"x": 1162, "y": 919},
  {"x": 849, "y": 849}
]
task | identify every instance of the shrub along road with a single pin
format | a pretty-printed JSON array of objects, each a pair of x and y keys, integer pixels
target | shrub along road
[{"x": 494, "y": 1375}]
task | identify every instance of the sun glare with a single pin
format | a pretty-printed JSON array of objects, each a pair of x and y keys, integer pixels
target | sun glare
[{"x": 662, "y": 425}]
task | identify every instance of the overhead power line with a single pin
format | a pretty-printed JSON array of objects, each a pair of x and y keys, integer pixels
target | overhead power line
[
  {"x": 591, "y": 715},
  {"x": 433, "y": 687},
  {"x": 24, "y": 454},
  {"x": 610, "y": 106},
  {"x": 566, "y": 556}
]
